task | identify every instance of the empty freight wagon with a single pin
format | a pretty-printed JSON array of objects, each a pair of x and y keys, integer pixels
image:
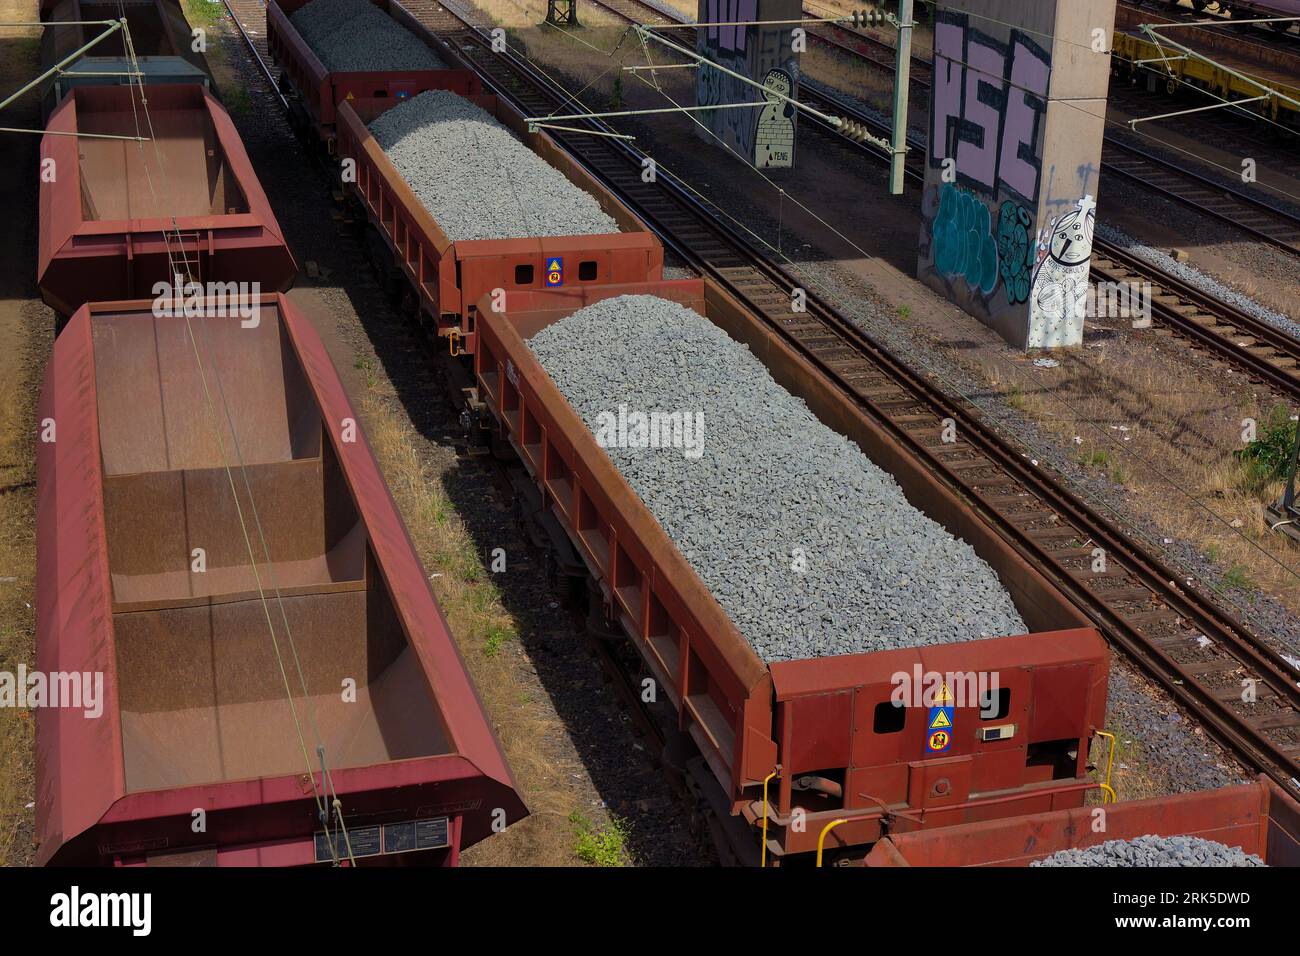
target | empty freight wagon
[
  {"x": 215, "y": 538},
  {"x": 161, "y": 39},
  {"x": 793, "y": 746},
  {"x": 118, "y": 216}
]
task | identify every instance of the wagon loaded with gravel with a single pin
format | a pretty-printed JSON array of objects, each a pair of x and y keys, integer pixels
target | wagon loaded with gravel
[
  {"x": 463, "y": 202},
  {"x": 788, "y": 574},
  {"x": 330, "y": 51},
  {"x": 1254, "y": 824}
]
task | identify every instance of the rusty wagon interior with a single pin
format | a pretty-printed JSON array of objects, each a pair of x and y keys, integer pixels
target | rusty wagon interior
[
  {"x": 184, "y": 172},
  {"x": 200, "y": 653},
  {"x": 155, "y": 26}
]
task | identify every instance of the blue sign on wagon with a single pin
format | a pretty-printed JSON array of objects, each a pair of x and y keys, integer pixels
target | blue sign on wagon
[{"x": 554, "y": 272}]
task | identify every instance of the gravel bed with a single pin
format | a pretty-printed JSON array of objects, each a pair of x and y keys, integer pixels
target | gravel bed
[
  {"x": 356, "y": 36},
  {"x": 1198, "y": 279},
  {"x": 771, "y": 484},
  {"x": 1153, "y": 851},
  {"x": 476, "y": 179}
]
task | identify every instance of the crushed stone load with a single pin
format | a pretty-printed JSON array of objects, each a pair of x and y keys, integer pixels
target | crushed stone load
[
  {"x": 476, "y": 179},
  {"x": 809, "y": 547},
  {"x": 1152, "y": 850},
  {"x": 356, "y": 36}
]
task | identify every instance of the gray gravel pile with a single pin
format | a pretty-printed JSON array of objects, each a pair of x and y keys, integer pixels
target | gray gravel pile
[
  {"x": 355, "y": 36},
  {"x": 774, "y": 491},
  {"x": 476, "y": 179},
  {"x": 1154, "y": 851}
]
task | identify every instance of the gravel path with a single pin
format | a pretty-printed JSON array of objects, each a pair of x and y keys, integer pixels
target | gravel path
[
  {"x": 476, "y": 179},
  {"x": 355, "y": 36},
  {"x": 1153, "y": 851},
  {"x": 810, "y": 548}
]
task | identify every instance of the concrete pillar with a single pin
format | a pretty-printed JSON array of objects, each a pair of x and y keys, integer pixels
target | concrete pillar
[
  {"x": 762, "y": 136},
  {"x": 1017, "y": 113}
]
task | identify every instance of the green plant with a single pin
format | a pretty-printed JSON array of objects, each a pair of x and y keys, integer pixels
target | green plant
[
  {"x": 616, "y": 98},
  {"x": 1268, "y": 458},
  {"x": 904, "y": 312},
  {"x": 599, "y": 846},
  {"x": 1016, "y": 397},
  {"x": 1235, "y": 577},
  {"x": 496, "y": 637},
  {"x": 1096, "y": 457}
]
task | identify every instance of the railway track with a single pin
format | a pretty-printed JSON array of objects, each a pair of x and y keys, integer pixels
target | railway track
[
  {"x": 1197, "y": 651},
  {"x": 1262, "y": 351}
]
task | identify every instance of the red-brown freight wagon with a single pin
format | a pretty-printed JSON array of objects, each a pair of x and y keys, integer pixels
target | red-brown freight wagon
[
  {"x": 449, "y": 278},
  {"x": 161, "y": 39},
  {"x": 119, "y": 216},
  {"x": 825, "y": 727},
  {"x": 1258, "y": 817},
  {"x": 319, "y": 90},
  {"x": 193, "y": 755}
]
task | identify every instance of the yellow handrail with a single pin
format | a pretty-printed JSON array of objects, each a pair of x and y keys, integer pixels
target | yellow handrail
[
  {"x": 821, "y": 838},
  {"x": 1110, "y": 796},
  {"x": 762, "y": 858}
]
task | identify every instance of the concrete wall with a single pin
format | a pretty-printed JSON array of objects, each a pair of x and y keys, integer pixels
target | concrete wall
[
  {"x": 763, "y": 136},
  {"x": 1016, "y": 121}
]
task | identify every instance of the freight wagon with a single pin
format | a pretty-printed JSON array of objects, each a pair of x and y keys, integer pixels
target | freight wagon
[
  {"x": 308, "y": 624},
  {"x": 316, "y": 91},
  {"x": 1258, "y": 817},
  {"x": 116, "y": 219},
  {"x": 160, "y": 36},
  {"x": 794, "y": 746},
  {"x": 444, "y": 280}
]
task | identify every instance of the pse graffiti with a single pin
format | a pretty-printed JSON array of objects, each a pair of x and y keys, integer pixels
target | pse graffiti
[
  {"x": 988, "y": 106},
  {"x": 962, "y": 242}
]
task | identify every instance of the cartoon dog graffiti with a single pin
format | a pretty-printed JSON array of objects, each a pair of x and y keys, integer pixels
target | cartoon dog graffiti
[
  {"x": 1060, "y": 285},
  {"x": 774, "y": 141}
]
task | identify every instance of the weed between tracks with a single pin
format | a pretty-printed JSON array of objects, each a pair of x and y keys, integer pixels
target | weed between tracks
[{"x": 487, "y": 637}]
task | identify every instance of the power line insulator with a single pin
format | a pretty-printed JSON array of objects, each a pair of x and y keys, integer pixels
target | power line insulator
[
  {"x": 868, "y": 18},
  {"x": 853, "y": 130}
]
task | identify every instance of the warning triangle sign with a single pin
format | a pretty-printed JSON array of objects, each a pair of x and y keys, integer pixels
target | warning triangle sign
[
  {"x": 940, "y": 720},
  {"x": 945, "y": 695}
]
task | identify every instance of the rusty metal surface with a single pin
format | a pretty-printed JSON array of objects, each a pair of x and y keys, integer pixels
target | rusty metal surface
[
  {"x": 1258, "y": 817},
  {"x": 196, "y": 714},
  {"x": 808, "y": 715},
  {"x": 103, "y": 217},
  {"x": 449, "y": 278}
]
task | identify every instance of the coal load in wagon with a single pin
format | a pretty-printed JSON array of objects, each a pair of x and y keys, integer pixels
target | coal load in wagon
[
  {"x": 476, "y": 179},
  {"x": 809, "y": 547},
  {"x": 355, "y": 36},
  {"x": 1153, "y": 850}
]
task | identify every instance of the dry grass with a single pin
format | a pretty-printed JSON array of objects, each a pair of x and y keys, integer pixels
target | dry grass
[
  {"x": 486, "y": 634},
  {"x": 1168, "y": 436}
]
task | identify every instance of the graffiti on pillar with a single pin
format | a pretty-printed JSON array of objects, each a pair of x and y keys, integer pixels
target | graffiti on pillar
[
  {"x": 1060, "y": 283},
  {"x": 774, "y": 142},
  {"x": 1016, "y": 250},
  {"x": 964, "y": 246},
  {"x": 762, "y": 135},
  {"x": 988, "y": 109}
]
